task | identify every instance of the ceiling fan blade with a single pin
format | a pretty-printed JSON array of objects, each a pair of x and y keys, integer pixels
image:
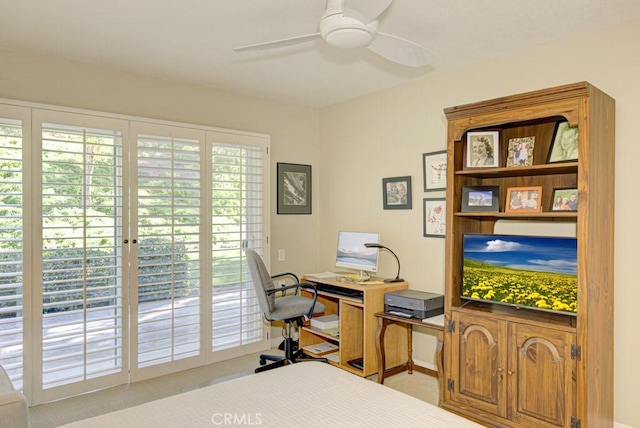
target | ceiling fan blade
[
  {"x": 279, "y": 43},
  {"x": 401, "y": 51},
  {"x": 365, "y": 11}
]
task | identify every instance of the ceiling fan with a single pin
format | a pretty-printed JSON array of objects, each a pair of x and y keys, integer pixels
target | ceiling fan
[{"x": 348, "y": 24}]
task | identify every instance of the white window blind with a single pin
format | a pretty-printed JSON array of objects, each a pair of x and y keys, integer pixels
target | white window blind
[
  {"x": 169, "y": 274},
  {"x": 82, "y": 204},
  {"x": 11, "y": 249},
  {"x": 237, "y": 221}
]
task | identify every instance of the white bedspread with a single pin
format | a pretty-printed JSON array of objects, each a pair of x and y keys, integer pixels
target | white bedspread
[{"x": 308, "y": 394}]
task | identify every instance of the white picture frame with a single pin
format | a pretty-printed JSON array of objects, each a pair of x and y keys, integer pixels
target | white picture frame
[{"x": 483, "y": 149}]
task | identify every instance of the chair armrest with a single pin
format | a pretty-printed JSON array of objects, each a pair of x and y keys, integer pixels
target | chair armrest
[
  {"x": 280, "y": 275},
  {"x": 298, "y": 286}
]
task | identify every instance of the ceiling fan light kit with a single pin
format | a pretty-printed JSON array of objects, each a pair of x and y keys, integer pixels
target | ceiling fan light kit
[
  {"x": 349, "y": 24},
  {"x": 347, "y": 33}
]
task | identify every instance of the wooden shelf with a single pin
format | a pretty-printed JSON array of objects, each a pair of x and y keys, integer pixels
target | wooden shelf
[
  {"x": 320, "y": 333},
  {"x": 572, "y": 215},
  {"x": 519, "y": 171}
]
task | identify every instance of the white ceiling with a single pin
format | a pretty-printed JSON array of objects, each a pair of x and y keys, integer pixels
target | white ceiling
[{"x": 193, "y": 40}]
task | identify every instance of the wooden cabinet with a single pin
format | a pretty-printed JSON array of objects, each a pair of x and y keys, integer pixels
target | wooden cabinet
[
  {"x": 356, "y": 337},
  {"x": 516, "y": 366},
  {"x": 478, "y": 380},
  {"x": 520, "y": 372}
]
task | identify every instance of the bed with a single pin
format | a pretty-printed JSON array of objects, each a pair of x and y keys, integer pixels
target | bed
[{"x": 325, "y": 396}]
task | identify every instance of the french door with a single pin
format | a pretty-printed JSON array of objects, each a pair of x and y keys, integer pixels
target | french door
[
  {"x": 121, "y": 248},
  {"x": 81, "y": 297}
]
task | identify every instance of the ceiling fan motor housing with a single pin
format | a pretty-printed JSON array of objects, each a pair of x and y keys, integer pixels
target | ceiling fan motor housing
[{"x": 346, "y": 33}]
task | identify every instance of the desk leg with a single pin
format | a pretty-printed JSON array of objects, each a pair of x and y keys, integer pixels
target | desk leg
[
  {"x": 382, "y": 326},
  {"x": 409, "y": 328}
]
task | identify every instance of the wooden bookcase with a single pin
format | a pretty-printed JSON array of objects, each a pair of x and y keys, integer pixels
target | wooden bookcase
[{"x": 509, "y": 366}]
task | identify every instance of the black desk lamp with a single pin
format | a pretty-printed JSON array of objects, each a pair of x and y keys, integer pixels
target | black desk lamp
[{"x": 376, "y": 245}]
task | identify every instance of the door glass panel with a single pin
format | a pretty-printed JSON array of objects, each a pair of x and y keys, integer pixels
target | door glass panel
[
  {"x": 82, "y": 307},
  {"x": 11, "y": 250},
  {"x": 237, "y": 220},
  {"x": 169, "y": 271}
]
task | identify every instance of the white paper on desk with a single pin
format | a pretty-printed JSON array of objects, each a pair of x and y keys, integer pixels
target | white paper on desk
[
  {"x": 322, "y": 275},
  {"x": 437, "y": 320}
]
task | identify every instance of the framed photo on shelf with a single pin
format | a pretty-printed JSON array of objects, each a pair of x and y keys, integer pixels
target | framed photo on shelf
[
  {"x": 480, "y": 198},
  {"x": 396, "y": 193},
  {"x": 564, "y": 200},
  {"x": 483, "y": 149},
  {"x": 524, "y": 199},
  {"x": 520, "y": 151},
  {"x": 434, "y": 170},
  {"x": 434, "y": 217},
  {"x": 565, "y": 143},
  {"x": 294, "y": 188}
]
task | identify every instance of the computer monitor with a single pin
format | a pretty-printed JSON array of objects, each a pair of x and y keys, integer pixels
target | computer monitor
[{"x": 352, "y": 254}]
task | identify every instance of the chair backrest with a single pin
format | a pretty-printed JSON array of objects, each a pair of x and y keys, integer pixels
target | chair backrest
[{"x": 262, "y": 282}]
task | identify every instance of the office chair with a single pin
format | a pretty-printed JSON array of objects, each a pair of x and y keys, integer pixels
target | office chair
[{"x": 289, "y": 309}]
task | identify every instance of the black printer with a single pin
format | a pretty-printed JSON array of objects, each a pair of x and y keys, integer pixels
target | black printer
[{"x": 413, "y": 304}]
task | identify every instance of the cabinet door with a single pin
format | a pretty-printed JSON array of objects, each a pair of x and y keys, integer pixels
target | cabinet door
[
  {"x": 479, "y": 356},
  {"x": 542, "y": 378}
]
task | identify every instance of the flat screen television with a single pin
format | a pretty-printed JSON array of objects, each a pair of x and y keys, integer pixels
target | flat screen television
[
  {"x": 537, "y": 272},
  {"x": 352, "y": 254}
]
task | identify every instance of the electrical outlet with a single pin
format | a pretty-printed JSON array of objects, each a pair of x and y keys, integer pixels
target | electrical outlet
[{"x": 281, "y": 255}]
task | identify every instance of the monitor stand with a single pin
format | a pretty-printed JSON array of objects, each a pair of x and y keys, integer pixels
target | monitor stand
[{"x": 364, "y": 275}]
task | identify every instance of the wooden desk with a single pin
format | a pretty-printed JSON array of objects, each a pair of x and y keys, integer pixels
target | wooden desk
[
  {"x": 357, "y": 328},
  {"x": 384, "y": 320}
]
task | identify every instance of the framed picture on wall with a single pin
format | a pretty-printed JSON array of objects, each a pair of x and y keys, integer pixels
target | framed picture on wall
[
  {"x": 434, "y": 217},
  {"x": 294, "y": 188},
  {"x": 434, "y": 170},
  {"x": 396, "y": 193}
]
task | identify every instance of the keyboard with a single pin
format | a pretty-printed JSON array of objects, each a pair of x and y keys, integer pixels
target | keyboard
[{"x": 338, "y": 290}]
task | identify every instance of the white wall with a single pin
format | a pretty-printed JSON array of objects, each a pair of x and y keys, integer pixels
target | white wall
[
  {"x": 294, "y": 129},
  {"x": 385, "y": 134}
]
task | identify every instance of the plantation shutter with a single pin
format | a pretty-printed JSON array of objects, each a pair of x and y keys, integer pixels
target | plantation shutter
[
  {"x": 169, "y": 249},
  {"x": 238, "y": 220},
  {"x": 83, "y": 297},
  {"x": 12, "y": 212}
]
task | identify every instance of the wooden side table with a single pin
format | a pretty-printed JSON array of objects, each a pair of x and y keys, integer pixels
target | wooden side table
[{"x": 386, "y": 319}]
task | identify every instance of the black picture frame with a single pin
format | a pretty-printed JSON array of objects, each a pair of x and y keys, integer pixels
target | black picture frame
[
  {"x": 480, "y": 198},
  {"x": 434, "y": 217},
  {"x": 568, "y": 200},
  {"x": 396, "y": 193},
  {"x": 294, "y": 188},
  {"x": 564, "y": 135},
  {"x": 434, "y": 170}
]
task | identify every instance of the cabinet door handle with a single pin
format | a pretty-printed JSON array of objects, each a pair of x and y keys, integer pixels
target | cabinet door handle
[{"x": 509, "y": 372}]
